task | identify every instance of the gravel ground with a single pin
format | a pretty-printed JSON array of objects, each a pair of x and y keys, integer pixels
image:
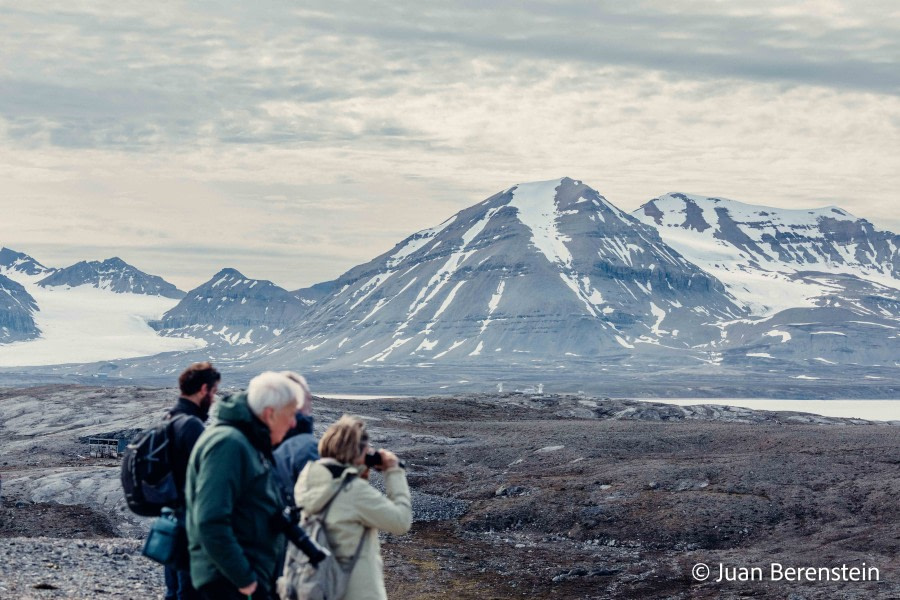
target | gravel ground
[
  {"x": 515, "y": 496},
  {"x": 57, "y": 568}
]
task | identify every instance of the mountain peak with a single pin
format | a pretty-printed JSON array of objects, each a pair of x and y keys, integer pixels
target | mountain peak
[
  {"x": 11, "y": 260},
  {"x": 230, "y": 273},
  {"x": 233, "y": 310}
]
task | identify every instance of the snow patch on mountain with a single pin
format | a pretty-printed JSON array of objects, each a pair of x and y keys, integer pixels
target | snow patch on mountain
[
  {"x": 539, "y": 212},
  {"x": 757, "y": 250}
]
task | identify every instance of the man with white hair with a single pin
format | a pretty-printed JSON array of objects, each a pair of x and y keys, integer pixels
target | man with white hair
[{"x": 232, "y": 492}]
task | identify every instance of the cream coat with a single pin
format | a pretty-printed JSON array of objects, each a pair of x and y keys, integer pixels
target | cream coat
[{"x": 358, "y": 506}]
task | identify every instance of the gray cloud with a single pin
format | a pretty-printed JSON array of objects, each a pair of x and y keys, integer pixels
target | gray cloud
[
  {"x": 332, "y": 133},
  {"x": 138, "y": 79}
]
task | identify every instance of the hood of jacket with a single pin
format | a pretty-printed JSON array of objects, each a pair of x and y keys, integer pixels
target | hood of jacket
[
  {"x": 304, "y": 425},
  {"x": 319, "y": 482},
  {"x": 233, "y": 410}
]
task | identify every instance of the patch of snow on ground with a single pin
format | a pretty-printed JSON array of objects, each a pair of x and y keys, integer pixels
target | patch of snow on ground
[
  {"x": 454, "y": 346},
  {"x": 660, "y": 314},
  {"x": 447, "y": 301},
  {"x": 623, "y": 343},
  {"x": 824, "y": 360},
  {"x": 492, "y": 305},
  {"x": 784, "y": 335},
  {"x": 426, "y": 345}
]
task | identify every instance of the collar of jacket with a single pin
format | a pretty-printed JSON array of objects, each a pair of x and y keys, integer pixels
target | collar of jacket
[
  {"x": 186, "y": 407},
  {"x": 304, "y": 425},
  {"x": 338, "y": 469},
  {"x": 235, "y": 412}
]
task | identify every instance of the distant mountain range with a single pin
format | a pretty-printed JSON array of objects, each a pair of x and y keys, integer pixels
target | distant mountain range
[
  {"x": 551, "y": 275},
  {"x": 31, "y": 292}
]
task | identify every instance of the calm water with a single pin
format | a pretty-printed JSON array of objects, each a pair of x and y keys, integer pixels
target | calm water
[{"x": 873, "y": 410}]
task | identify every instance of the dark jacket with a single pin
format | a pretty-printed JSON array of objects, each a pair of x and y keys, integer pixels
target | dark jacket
[
  {"x": 298, "y": 448},
  {"x": 186, "y": 431},
  {"x": 232, "y": 501}
]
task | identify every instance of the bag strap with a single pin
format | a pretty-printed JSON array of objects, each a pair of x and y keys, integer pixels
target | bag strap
[
  {"x": 356, "y": 554},
  {"x": 324, "y": 513},
  {"x": 327, "y": 507}
]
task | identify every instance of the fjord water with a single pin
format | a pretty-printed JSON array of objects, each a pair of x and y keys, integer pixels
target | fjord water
[{"x": 872, "y": 410}]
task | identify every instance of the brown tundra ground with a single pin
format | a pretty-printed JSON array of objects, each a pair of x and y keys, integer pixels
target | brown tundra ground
[{"x": 516, "y": 496}]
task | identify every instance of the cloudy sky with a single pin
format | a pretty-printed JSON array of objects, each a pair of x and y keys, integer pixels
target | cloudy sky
[{"x": 295, "y": 141}]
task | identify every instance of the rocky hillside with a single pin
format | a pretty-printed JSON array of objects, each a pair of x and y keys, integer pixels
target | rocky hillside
[
  {"x": 232, "y": 310},
  {"x": 17, "y": 309}
]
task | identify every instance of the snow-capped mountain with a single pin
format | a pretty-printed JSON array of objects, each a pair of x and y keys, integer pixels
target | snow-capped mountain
[
  {"x": 232, "y": 309},
  {"x": 17, "y": 309},
  {"x": 18, "y": 262},
  {"x": 823, "y": 285},
  {"x": 112, "y": 274},
  {"x": 546, "y": 270},
  {"x": 757, "y": 250}
]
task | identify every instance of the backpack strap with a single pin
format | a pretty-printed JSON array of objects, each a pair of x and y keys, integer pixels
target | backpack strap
[
  {"x": 324, "y": 513},
  {"x": 327, "y": 507}
]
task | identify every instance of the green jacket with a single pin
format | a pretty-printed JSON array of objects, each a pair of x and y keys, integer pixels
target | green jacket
[{"x": 232, "y": 497}]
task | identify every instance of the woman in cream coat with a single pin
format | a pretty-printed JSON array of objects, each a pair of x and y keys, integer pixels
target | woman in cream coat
[{"x": 359, "y": 509}]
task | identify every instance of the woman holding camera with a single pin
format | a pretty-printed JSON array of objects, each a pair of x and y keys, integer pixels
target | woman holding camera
[{"x": 357, "y": 510}]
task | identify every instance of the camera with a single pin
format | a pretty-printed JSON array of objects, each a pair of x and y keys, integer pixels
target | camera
[
  {"x": 287, "y": 522},
  {"x": 373, "y": 461}
]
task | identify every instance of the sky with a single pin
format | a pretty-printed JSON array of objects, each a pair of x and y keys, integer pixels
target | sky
[{"x": 293, "y": 141}]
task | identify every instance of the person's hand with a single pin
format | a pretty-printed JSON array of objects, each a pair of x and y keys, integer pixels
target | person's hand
[
  {"x": 248, "y": 590},
  {"x": 389, "y": 460}
]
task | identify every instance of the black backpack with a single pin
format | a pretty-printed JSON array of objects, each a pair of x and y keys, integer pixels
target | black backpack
[{"x": 147, "y": 476}]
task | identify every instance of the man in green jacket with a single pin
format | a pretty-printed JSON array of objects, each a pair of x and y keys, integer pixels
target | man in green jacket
[{"x": 232, "y": 492}]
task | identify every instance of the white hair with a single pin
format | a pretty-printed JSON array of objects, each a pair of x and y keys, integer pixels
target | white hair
[{"x": 271, "y": 389}]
